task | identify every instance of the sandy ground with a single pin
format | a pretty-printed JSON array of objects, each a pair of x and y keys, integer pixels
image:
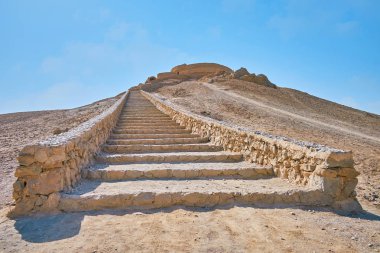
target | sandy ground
[
  {"x": 228, "y": 229},
  {"x": 294, "y": 114},
  {"x": 20, "y": 129}
]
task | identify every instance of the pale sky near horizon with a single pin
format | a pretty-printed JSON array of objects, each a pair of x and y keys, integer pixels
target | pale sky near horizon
[{"x": 65, "y": 54}]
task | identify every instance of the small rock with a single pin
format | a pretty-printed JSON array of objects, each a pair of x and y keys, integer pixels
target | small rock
[
  {"x": 292, "y": 213},
  {"x": 353, "y": 238},
  {"x": 334, "y": 228},
  {"x": 370, "y": 245},
  {"x": 323, "y": 229}
]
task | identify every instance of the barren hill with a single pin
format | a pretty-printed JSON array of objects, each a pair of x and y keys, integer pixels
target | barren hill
[{"x": 285, "y": 112}]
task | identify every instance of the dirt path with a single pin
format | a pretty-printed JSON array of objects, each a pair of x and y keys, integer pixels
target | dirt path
[
  {"x": 229, "y": 229},
  {"x": 287, "y": 113}
]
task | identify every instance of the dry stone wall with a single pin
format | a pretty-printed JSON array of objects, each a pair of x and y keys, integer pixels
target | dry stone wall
[
  {"x": 55, "y": 164},
  {"x": 309, "y": 164}
]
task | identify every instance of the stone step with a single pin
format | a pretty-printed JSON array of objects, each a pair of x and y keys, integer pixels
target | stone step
[
  {"x": 142, "y": 114},
  {"x": 153, "y": 124},
  {"x": 139, "y": 114},
  {"x": 140, "y": 108},
  {"x": 146, "y": 194},
  {"x": 157, "y": 125},
  {"x": 146, "y": 127},
  {"x": 160, "y": 148},
  {"x": 139, "y": 102},
  {"x": 158, "y": 141},
  {"x": 141, "y": 111},
  {"x": 221, "y": 156},
  {"x": 146, "y": 121},
  {"x": 130, "y": 105},
  {"x": 142, "y": 118},
  {"x": 152, "y": 136},
  {"x": 245, "y": 170},
  {"x": 151, "y": 131}
]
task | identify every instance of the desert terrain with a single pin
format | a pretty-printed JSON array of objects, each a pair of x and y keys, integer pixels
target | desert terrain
[
  {"x": 20, "y": 129},
  {"x": 226, "y": 229},
  {"x": 291, "y": 113},
  {"x": 232, "y": 228}
]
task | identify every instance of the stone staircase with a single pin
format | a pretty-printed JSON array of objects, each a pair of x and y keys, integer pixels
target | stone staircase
[{"x": 150, "y": 161}]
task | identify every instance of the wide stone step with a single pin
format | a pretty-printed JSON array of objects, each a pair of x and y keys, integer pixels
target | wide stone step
[
  {"x": 152, "y": 136},
  {"x": 143, "y": 119},
  {"x": 145, "y": 194},
  {"x": 146, "y": 127},
  {"x": 245, "y": 170},
  {"x": 140, "y": 108},
  {"x": 151, "y": 131},
  {"x": 159, "y": 148},
  {"x": 146, "y": 121},
  {"x": 137, "y": 108},
  {"x": 142, "y": 114},
  {"x": 131, "y": 101},
  {"x": 221, "y": 156},
  {"x": 153, "y": 124},
  {"x": 158, "y": 141},
  {"x": 145, "y": 116}
]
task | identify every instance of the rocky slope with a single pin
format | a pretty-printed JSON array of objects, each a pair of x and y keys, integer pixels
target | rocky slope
[
  {"x": 260, "y": 105},
  {"x": 20, "y": 129}
]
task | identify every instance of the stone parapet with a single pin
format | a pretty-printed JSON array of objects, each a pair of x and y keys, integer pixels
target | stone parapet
[
  {"x": 305, "y": 163},
  {"x": 55, "y": 164}
]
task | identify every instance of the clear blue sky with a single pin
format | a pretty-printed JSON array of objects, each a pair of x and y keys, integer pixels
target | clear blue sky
[{"x": 63, "y": 54}]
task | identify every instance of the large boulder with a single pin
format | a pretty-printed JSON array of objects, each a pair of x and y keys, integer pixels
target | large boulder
[
  {"x": 258, "y": 79},
  {"x": 241, "y": 72},
  {"x": 150, "y": 79},
  {"x": 263, "y": 80},
  {"x": 249, "y": 78}
]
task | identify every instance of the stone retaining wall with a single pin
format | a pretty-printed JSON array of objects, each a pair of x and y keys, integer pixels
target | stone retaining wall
[
  {"x": 55, "y": 164},
  {"x": 329, "y": 169}
]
